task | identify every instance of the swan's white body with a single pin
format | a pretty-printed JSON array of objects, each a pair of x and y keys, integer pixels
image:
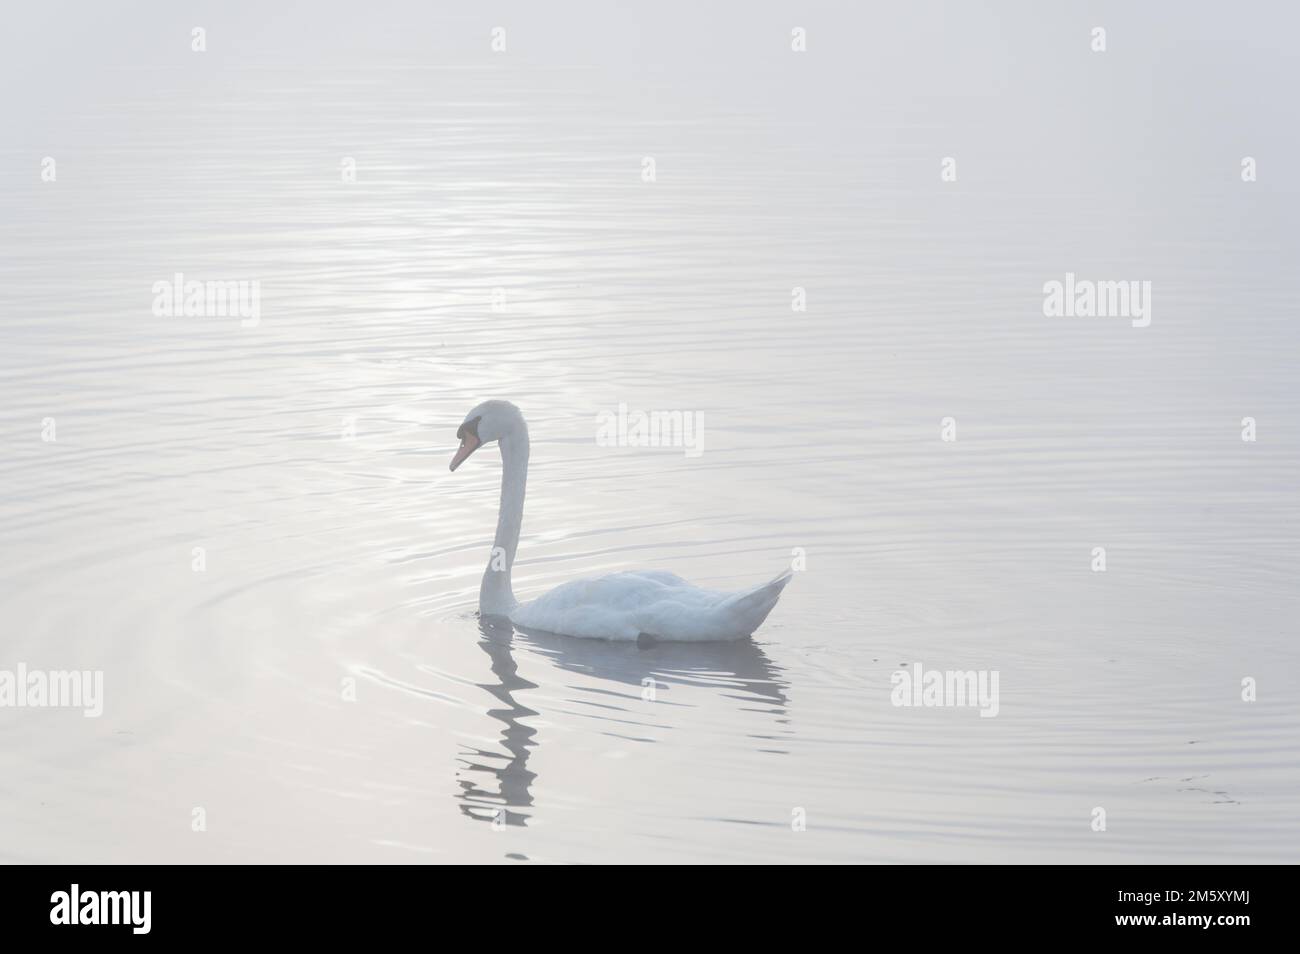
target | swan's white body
[
  {"x": 622, "y": 606},
  {"x": 648, "y": 603}
]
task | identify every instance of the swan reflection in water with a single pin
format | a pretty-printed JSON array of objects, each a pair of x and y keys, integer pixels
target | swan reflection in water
[{"x": 496, "y": 786}]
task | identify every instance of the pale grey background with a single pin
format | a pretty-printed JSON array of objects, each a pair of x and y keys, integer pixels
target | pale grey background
[{"x": 329, "y": 559}]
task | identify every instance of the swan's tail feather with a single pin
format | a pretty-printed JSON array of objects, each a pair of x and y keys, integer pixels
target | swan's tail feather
[{"x": 751, "y": 607}]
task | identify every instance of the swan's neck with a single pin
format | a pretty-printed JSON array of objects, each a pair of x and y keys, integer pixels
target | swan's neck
[{"x": 496, "y": 597}]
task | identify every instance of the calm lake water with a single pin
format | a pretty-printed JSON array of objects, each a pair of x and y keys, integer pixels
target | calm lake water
[{"x": 313, "y": 681}]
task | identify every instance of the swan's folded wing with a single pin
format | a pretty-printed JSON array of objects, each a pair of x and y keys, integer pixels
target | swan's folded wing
[{"x": 622, "y": 606}]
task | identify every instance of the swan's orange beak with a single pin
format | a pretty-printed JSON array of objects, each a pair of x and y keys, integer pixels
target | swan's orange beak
[{"x": 468, "y": 445}]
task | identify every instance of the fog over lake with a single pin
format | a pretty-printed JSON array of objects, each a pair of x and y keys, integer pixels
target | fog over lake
[{"x": 824, "y": 238}]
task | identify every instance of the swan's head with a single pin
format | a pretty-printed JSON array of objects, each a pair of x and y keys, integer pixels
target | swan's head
[{"x": 490, "y": 421}]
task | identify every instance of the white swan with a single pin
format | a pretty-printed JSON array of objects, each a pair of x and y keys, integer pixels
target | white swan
[{"x": 637, "y": 605}]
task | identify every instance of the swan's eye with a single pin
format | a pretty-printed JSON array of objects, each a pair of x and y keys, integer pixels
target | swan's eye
[{"x": 469, "y": 442}]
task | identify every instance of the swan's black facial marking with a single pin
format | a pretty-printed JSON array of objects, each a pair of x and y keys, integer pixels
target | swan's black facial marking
[
  {"x": 469, "y": 441},
  {"x": 469, "y": 427}
]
